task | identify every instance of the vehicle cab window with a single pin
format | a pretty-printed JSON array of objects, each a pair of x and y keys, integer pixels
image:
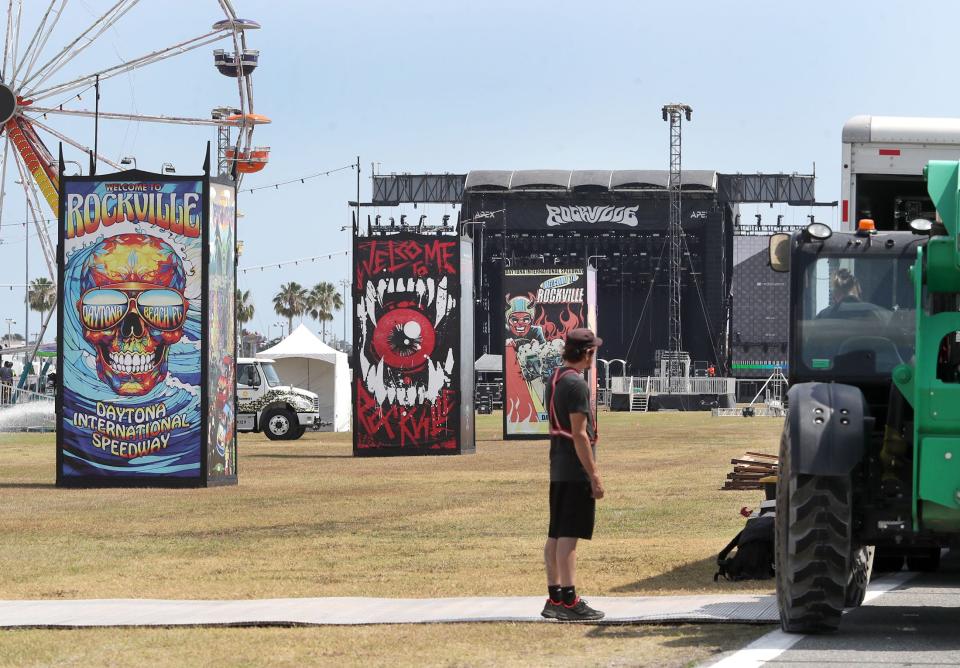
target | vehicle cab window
[
  {"x": 273, "y": 380},
  {"x": 247, "y": 375},
  {"x": 858, "y": 316}
]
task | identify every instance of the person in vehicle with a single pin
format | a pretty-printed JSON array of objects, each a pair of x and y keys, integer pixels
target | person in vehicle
[{"x": 848, "y": 302}]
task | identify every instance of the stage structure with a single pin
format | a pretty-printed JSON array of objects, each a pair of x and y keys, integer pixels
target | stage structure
[
  {"x": 146, "y": 339},
  {"x": 618, "y": 220},
  {"x": 760, "y": 310},
  {"x": 560, "y": 218},
  {"x": 541, "y": 306},
  {"x": 413, "y": 342}
]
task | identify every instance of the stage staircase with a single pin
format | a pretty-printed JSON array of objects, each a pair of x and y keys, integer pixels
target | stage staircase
[{"x": 639, "y": 402}]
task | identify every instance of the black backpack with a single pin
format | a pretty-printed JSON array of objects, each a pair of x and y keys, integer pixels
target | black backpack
[{"x": 754, "y": 557}]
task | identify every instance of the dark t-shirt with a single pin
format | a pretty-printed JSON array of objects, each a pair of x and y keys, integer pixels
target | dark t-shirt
[{"x": 573, "y": 396}]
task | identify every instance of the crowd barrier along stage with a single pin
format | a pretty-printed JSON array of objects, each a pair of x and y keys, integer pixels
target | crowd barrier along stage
[
  {"x": 147, "y": 345},
  {"x": 541, "y": 306},
  {"x": 413, "y": 345}
]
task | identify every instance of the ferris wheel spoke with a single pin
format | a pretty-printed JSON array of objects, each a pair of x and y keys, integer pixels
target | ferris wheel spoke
[
  {"x": 114, "y": 116},
  {"x": 64, "y": 138},
  {"x": 39, "y": 40},
  {"x": 244, "y": 102},
  {"x": 98, "y": 27},
  {"x": 15, "y": 34},
  {"x": 248, "y": 82},
  {"x": 142, "y": 61},
  {"x": 8, "y": 38}
]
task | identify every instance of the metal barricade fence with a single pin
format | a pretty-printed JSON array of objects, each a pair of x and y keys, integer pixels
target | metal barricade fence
[
  {"x": 25, "y": 410},
  {"x": 652, "y": 385}
]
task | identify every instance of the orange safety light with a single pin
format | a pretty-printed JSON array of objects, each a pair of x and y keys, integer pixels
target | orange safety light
[{"x": 866, "y": 225}]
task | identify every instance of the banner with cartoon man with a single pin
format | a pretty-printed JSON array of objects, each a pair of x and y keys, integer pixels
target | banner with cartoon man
[{"x": 542, "y": 305}]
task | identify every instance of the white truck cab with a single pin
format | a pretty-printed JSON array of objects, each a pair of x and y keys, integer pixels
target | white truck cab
[{"x": 265, "y": 404}]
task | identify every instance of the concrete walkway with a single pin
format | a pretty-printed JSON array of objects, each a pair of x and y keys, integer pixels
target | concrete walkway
[{"x": 754, "y": 609}]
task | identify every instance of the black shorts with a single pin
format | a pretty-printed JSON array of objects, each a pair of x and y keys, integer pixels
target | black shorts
[{"x": 572, "y": 510}]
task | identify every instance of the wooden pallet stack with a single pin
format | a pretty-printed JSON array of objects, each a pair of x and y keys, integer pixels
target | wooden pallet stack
[{"x": 750, "y": 469}]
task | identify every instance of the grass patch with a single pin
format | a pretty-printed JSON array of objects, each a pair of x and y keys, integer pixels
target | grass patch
[
  {"x": 310, "y": 520},
  {"x": 409, "y": 645}
]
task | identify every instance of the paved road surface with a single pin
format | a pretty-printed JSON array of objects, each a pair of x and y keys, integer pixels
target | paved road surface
[{"x": 916, "y": 623}]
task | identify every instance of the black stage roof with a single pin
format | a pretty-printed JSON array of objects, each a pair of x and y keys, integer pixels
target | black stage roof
[{"x": 589, "y": 180}]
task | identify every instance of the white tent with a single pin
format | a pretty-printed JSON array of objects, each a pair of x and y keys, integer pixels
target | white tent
[{"x": 304, "y": 361}]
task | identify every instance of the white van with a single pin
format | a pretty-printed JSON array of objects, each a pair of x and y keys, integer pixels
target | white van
[{"x": 265, "y": 404}]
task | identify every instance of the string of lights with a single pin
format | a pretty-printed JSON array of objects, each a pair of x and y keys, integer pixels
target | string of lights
[
  {"x": 74, "y": 96},
  {"x": 278, "y": 265},
  {"x": 48, "y": 221},
  {"x": 301, "y": 179}
]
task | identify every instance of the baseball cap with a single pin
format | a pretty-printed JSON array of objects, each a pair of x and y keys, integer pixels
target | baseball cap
[{"x": 584, "y": 338}]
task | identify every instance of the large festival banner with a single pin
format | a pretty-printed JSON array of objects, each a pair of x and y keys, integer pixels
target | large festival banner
[
  {"x": 541, "y": 306},
  {"x": 408, "y": 347},
  {"x": 133, "y": 322},
  {"x": 221, "y": 334}
]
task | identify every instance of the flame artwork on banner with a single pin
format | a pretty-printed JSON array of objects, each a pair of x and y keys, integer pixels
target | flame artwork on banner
[
  {"x": 406, "y": 292},
  {"x": 130, "y": 329},
  {"x": 541, "y": 306}
]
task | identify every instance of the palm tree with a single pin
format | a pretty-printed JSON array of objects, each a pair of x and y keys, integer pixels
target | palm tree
[
  {"x": 245, "y": 309},
  {"x": 323, "y": 300},
  {"x": 42, "y": 295},
  {"x": 290, "y": 301}
]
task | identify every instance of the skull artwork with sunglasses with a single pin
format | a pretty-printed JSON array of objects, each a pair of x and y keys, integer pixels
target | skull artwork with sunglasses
[{"x": 132, "y": 309}]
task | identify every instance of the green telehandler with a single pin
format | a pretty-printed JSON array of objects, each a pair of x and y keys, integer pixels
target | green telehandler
[{"x": 870, "y": 453}]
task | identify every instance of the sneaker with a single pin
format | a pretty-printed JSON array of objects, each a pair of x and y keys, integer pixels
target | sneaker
[
  {"x": 579, "y": 611},
  {"x": 551, "y": 609}
]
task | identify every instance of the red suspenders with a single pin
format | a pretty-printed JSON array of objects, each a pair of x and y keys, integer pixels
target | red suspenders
[{"x": 555, "y": 428}]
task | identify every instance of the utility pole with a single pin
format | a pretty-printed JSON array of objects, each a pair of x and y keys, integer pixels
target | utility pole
[
  {"x": 344, "y": 283},
  {"x": 26, "y": 275},
  {"x": 674, "y": 114}
]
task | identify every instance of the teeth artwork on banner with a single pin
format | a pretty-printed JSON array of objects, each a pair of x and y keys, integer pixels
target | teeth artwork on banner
[
  {"x": 130, "y": 329},
  {"x": 541, "y": 306},
  {"x": 407, "y": 307}
]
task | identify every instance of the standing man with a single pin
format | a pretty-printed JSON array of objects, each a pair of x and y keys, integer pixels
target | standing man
[
  {"x": 575, "y": 483},
  {"x": 6, "y": 381}
]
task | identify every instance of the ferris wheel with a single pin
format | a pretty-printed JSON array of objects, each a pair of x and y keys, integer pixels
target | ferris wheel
[{"x": 34, "y": 86}]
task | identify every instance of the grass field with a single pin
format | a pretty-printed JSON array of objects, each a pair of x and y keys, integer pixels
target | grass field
[{"x": 307, "y": 519}]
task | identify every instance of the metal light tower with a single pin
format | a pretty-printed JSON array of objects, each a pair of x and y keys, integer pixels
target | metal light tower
[{"x": 674, "y": 113}]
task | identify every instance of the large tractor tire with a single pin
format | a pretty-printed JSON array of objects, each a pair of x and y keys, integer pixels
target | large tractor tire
[
  {"x": 861, "y": 568},
  {"x": 813, "y": 550}
]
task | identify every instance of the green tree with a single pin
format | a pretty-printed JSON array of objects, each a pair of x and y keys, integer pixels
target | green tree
[
  {"x": 42, "y": 295},
  {"x": 323, "y": 300},
  {"x": 245, "y": 309},
  {"x": 291, "y": 301}
]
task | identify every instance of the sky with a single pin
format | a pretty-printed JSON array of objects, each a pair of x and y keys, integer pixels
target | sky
[{"x": 450, "y": 86}]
